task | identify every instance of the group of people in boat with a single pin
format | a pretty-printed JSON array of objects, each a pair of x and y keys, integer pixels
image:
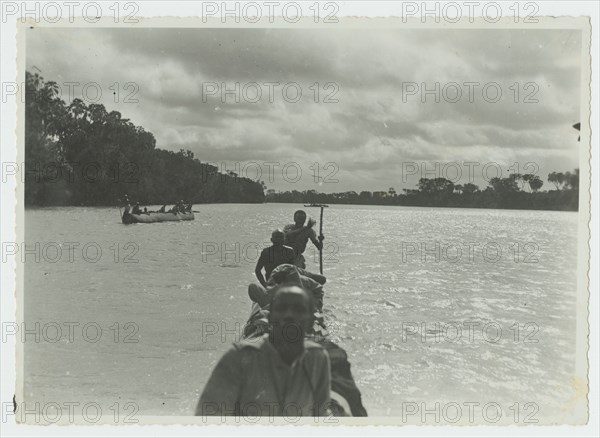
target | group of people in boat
[
  {"x": 288, "y": 246},
  {"x": 179, "y": 207},
  {"x": 276, "y": 370}
]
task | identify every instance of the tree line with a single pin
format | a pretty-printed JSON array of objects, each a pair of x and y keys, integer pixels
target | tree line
[
  {"x": 80, "y": 154},
  {"x": 517, "y": 191}
]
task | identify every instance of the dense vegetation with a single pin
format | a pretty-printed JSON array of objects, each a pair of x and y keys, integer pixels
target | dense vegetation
[
  {"x": 84, "y": 155},
  {"x": 516, "y": 191}
]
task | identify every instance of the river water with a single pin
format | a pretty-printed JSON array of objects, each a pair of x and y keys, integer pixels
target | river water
[{"x": 432, "y": 305}]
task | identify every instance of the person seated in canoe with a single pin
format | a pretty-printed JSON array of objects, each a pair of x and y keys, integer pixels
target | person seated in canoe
[
  {"x": 280, "y": 373},
  {"x": 180, "y": 207},
  {"x": 136, "y": 209},
  {"x": 162, "y": 209},
  {"x": 288, "y": 273},
  {"x": 125, "y": 201},
  {"x": 345, "y": 396},
  {"x": 273, "y": 256},
  {"x": 297, "y": 236},
  {"x": 291, "y": 273},
  {"x": 146, "y": 210},
  {"x": 258, "y": 324}
]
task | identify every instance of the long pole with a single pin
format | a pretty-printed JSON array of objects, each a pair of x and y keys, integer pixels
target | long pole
[
  {"x": 321, "y": 240},
  {"x": 321, "y": 237}
]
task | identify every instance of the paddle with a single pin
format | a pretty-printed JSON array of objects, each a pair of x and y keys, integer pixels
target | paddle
[{"x": 321, "y": 237}]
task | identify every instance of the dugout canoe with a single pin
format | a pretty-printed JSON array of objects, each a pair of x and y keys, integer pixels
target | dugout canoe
[
  {"x": 149, "y": 218},
  {"x": 345, "y": 396}
]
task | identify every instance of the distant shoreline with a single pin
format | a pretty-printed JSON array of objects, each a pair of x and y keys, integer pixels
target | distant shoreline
[
  {"x": 443, "y": 206},
  {"x": 199, "y": 206},
  {"x": 63, "y": 170}
]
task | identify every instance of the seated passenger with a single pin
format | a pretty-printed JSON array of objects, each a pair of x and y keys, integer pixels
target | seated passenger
[
  {"x": 288, "y": 274},
  {"x": 267, "y": 375},
  {"x": 273, "y": 256}
]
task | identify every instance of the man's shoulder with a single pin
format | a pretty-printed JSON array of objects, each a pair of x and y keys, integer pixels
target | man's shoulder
[{"x": 315, "y": 352}]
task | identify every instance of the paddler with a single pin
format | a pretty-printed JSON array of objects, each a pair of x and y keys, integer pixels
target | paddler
[
  {"x": 273, "y": 256},
  {"x": 297, "y": 235},
  {"x": 280, "y": 373}
]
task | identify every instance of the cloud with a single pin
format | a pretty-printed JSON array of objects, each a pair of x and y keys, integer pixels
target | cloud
[{"x": 355, "y": 109}]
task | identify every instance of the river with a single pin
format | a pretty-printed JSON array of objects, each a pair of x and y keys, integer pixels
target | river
[{"x": 432, "y": 305}]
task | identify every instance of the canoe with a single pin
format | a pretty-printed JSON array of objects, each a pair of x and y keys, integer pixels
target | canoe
[
  {"x": 150, "y": 218},
  {"x": 346, "y": 399}
]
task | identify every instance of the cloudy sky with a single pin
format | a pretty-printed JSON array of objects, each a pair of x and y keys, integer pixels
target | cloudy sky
[{"x": 368, "y": 116}]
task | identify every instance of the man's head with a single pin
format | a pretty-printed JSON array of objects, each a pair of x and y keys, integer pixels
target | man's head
[
  {"x": 300, "y": 217},
  {"x": 277, "y": 237},
  {"x": 291, "y": 312}
]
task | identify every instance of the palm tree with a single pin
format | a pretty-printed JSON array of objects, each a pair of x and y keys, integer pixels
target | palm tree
[{"x": 556, "y": 178}]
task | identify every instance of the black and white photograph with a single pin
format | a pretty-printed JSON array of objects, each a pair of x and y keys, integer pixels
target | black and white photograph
[{"x": 319, "y": 220}]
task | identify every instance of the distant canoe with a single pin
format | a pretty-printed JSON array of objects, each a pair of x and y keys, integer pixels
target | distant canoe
[{"x": 150, "y": 218}]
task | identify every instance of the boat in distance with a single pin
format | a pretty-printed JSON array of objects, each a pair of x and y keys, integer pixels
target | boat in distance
[{"x": 153, "y": 217}]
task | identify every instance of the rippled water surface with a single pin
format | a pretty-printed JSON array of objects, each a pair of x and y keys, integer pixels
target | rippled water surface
[{"x": 425, "y": 302}]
